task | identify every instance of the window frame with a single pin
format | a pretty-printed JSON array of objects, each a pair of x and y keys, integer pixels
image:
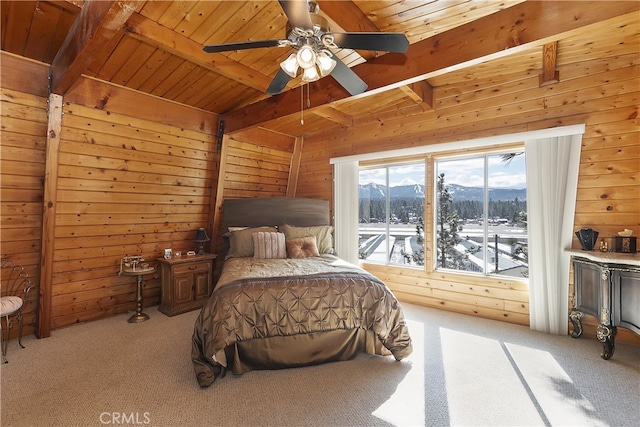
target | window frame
[
  {"x": 345, "y": 197},
  {"x": 484, "y": 153}
]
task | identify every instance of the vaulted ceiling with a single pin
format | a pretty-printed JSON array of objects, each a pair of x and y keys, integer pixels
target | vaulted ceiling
[{"x": 156, "y": 47}]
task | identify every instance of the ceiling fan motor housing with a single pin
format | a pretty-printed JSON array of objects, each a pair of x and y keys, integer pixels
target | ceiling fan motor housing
[{"x": 319, "y": 38}]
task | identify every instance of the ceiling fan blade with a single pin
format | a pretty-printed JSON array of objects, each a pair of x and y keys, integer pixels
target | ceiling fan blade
[
  {"x": 297, "y": 12},
  {"x": 347, "y": 78},
  {"x": 388, "y": 42},
  {"x": 225, "y": 47},
  {"x": 278, "y": 83}
]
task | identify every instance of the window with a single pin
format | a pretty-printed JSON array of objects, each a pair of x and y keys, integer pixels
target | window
[
  {"x": 391, "y": 214},
  {"x": 480, "y": 216}
]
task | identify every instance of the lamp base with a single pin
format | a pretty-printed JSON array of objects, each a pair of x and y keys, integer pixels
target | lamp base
[{"x": 201, "y": 249}]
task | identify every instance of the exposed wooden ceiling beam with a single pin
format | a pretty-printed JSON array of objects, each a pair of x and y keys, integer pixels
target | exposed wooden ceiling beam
[
  {"x": 421, "y": 92},
  {"x": 166, "y": 39},
  {"x": 528, "y": 24},
  {"x": 350, "y": 17},
  {"x": 97, "y": 23},
  {"x": 334, "y": 115},
  {"x": 549, "y": 73}
]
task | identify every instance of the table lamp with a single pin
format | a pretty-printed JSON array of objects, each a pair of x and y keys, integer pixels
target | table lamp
[{"x": 201, "y": 237}]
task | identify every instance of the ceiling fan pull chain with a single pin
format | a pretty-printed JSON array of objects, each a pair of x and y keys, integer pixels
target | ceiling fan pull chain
[
  {"x": 308, "y": 97},
  {"x": 302, "y": 104}
]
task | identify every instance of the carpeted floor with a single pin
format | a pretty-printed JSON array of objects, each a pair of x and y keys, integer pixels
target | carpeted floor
[{"x": 464, "y": 371}]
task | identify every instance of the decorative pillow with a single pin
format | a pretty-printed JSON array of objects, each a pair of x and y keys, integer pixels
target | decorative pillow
[
  {"x": 241, "y": 241},
  {"x": 323, "y": 234},
  {"x": 302, "y": 247},
  {"x": 269, "y": 245}
]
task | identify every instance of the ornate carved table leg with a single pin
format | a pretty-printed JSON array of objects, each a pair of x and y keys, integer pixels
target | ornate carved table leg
[
  {"x": 575, "y": 317},
  {"x": 607, "y": 334}
]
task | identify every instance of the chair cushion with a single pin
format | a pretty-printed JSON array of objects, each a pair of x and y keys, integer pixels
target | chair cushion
[{"x": 9, "y": 305}]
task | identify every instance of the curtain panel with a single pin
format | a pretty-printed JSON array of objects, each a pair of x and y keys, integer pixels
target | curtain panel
[
  {"x": 345, "y": 205},
  {"x": 552, "y": 178}
]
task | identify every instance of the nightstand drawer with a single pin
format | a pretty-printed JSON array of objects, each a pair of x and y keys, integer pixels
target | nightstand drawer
[{"x": 192, "y": 268}]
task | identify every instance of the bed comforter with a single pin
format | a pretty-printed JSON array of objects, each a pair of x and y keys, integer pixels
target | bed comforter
[{"x": 278, "y": 313}]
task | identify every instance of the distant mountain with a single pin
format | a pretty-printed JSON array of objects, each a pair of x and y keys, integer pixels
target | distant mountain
[
  {"x": 461, "y": 193},
  {"x": 458, "y": 192}
]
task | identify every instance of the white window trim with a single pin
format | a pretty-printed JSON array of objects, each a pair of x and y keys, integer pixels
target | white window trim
[{"x": 465, "y": 144}]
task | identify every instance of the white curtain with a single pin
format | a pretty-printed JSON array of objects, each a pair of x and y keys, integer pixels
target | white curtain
[
  {"x": 552, "y": 177},
  {"x": 345, "y": 205}
]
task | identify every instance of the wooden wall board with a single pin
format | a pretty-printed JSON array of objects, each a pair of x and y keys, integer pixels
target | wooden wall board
[
  {"x": 23, "y": 76},
  {"x": 126, "y": 185},
  {"x": 111, "y": 98},
  {"x": 23, "y": 123}
]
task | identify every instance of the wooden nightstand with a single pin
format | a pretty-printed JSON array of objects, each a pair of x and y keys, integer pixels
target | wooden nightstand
[{"x": 187, "y": 282}]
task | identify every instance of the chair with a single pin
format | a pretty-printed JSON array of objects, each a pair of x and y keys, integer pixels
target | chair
[{"x": 15, "y": 286}]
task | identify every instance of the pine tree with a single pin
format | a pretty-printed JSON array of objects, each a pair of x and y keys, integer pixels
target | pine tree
[
  {"x": 417, "y": 256},
  {"x": 447, "y": 229}
]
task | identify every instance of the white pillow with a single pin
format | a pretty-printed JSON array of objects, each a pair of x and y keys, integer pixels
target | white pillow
[{"x": 269, "y": 245}]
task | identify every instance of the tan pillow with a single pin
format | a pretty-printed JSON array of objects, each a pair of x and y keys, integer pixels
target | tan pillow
[
  {"x": 302, "y": 247},
  {"x": 322, "y": 233},
  {"x": 241, "y": 241},
  {"x": 269, "y": 245}
]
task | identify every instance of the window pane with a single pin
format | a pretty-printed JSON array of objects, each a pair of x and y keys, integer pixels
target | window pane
[
  {"x": 506, "y": 231},
  {"x": 459, "y": 214},
  {"x": 391, "y": 212},
  {"x": 373, "y": 214},
  {"x": 480, "y": 216},
  {"x": 406, "y": 207}
]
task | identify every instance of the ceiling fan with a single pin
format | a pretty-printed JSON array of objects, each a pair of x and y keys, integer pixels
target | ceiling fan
[{"x": 309, "y": 34}]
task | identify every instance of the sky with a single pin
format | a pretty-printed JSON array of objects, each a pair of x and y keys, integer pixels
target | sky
[{"x": 466, "y": 172}]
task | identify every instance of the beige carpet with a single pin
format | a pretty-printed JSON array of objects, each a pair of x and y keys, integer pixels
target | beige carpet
[{"x": 464, "y": 371}]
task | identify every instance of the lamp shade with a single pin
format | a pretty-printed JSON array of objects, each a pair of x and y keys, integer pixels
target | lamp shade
[
  {"x": 306, "y": 57},
  {"x": 326, "y": 64},
  {"x": 310, "y": 75},
  {"x": 290, "y": 65},
  {"x": 201, "y": 235}
]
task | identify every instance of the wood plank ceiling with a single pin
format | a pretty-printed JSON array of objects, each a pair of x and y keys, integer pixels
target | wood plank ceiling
[{"x": 156, "y": 47}]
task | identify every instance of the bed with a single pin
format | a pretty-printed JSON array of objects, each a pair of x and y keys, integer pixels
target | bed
[{"x": 284, "y": 299}]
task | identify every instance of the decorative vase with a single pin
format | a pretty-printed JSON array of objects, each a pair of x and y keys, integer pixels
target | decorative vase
[{"x": 587, "y": 238}]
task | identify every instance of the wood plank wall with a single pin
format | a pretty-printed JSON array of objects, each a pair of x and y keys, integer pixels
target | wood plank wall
[
  {"x": 126, "y": 186},
  {"x": 22, "y": 162},
  {"x": 602, "y": 94},
  {"x": 255, "y": 163},
  {"x": 23, "y": 127}
]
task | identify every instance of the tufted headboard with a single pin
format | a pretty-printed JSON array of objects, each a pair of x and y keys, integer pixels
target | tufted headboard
[{"x": 255, "y": 212}]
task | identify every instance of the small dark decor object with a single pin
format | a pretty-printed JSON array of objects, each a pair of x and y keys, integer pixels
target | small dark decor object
[
  {"x": 201, "y": 237},
  {"x": 626, "y": 244},
  {"x": 587, "y": 238}
]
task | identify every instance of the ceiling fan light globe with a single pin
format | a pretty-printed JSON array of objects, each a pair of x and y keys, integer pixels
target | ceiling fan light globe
[
  {"x": 310, "y": 74},
  {"x": 325, "y": 64},
  {"x": 290, "y": 65},
  {"x": 306, "y": 57}
]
